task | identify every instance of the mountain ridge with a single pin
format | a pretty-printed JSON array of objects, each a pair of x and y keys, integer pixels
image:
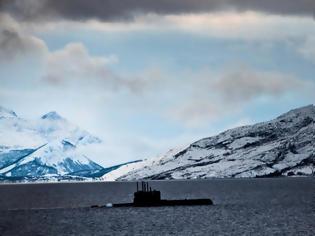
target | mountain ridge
[
  {"x": 53, "y": 115},
  {"x": 6, "y": 113},
  {"x": 284, "y": 146}
]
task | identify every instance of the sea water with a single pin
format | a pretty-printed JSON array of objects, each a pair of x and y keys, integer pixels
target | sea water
[{"x": 271, "y": 206}]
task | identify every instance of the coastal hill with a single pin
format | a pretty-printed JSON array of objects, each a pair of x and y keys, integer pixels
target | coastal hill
[{"x": 284, "y": 146}]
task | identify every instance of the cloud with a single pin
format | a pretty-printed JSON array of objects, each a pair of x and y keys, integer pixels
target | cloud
[
  {"x": 73, "y": 65},
  {"x": 249, "y": 26},
  {"x": 70, "y": 65},
  {"x": 244, "y": 85},
  {"x": 215, "y": 96},
  {"x": 14, "y": 43},
  {"x": 112, "y": 10},
  {"x": 245, "y": 26},
  {"x": 73, "y": 62},
  {"x": 307, "y": 49}
]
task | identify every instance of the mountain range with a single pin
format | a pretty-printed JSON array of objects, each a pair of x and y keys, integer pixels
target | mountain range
[
  {"x": 51, "y": 148},
  {"x": 284, "y": 146},
  {"x": 48, "y": 148}
]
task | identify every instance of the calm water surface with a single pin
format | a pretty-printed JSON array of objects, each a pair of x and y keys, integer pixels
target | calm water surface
[{"x": 278, "y": 206}]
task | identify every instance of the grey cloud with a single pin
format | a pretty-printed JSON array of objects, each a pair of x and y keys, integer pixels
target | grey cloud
[
  {"x": 71, "y": 65},
  {"x": 112, "y": 10},
  {"x": 212, "y": 98},
  {"x": 74, "y": 65},
  {"x": 14, "y": 43},
  {"x": 244, "y": 85}
]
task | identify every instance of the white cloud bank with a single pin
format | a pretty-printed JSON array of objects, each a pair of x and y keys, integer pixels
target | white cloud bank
[{"x": 246, "y": 25}]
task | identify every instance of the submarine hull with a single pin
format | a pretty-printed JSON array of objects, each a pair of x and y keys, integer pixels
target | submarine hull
[
  {"x": 185, "y": 202},
  {"x": 146, "y": 197}
]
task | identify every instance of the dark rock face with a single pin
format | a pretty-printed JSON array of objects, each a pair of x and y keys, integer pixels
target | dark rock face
[{"x": 284, "y": 146}]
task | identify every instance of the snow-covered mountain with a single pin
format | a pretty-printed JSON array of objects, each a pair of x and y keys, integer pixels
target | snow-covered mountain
[
  {"x": 46, "y": 147},
  {"x": 284, "y": 146}
]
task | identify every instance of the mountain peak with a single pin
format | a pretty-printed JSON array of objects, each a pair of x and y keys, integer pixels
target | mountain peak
[
  {"x": 308, "y": 110},
  {"x": 53, "y": 115},
  {"x": 6, "y": 113}
]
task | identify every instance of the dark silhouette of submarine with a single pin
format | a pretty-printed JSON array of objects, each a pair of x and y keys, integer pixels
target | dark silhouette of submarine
[{"x": 146, "y": 197}]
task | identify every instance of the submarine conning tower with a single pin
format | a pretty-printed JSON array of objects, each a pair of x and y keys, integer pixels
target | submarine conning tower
[{"x": 146, "y": 196}]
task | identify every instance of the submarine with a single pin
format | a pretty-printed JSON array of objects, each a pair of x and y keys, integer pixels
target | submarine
[{"x": 148, "y": 197}]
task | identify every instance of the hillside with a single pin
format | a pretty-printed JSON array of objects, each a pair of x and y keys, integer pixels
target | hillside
[{"x": 284, "y": 146}]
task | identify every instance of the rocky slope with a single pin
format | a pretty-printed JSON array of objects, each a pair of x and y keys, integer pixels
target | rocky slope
[{"x": 284, "y": 146}]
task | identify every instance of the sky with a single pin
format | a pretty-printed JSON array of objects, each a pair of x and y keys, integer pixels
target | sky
[{"x": 148, "y": 76}]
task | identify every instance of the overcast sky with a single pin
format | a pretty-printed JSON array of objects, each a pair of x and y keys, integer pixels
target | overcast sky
[{"x": 147, "y": 76}]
